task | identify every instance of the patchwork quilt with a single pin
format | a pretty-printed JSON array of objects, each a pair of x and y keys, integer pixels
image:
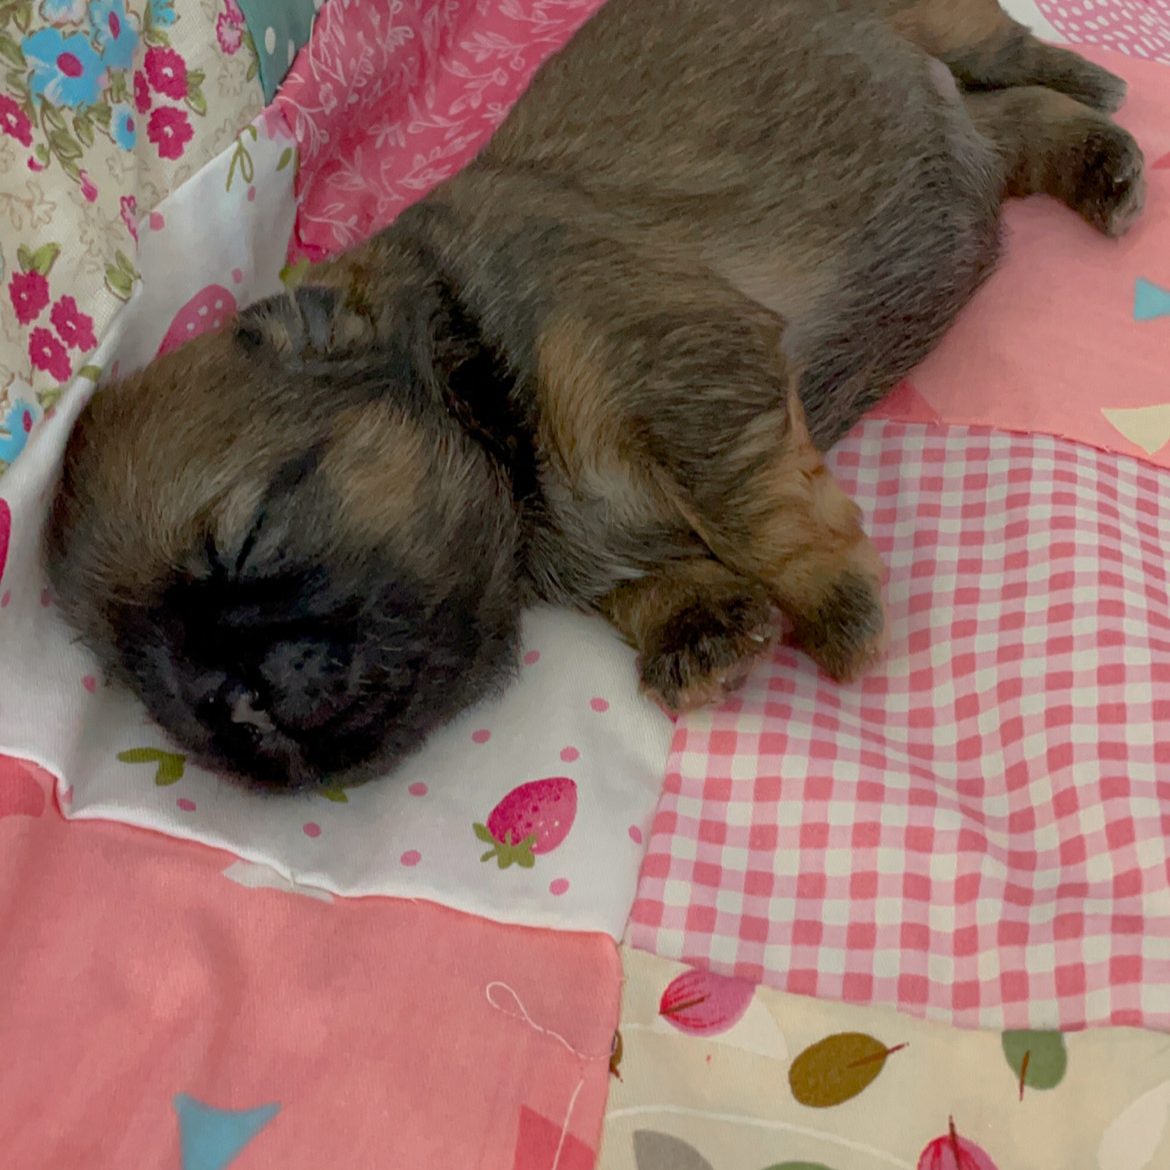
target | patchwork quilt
[{"x": 920, "y": 921}]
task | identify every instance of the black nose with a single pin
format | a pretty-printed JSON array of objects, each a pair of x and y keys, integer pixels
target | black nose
[{"x": 308, "y": 682}]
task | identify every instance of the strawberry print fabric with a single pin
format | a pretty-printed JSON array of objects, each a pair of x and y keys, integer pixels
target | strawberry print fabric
[
  {"x": 718, "y": 1074},
  {"x": 978, "y": 830},
  {"x": 105, "y": 106},
  {"x": 1071, "y": 336},
  {"x": 169, "y": 1006},
  {"x": 392, "y": 96},
  {"x": 530, "y": 809}
]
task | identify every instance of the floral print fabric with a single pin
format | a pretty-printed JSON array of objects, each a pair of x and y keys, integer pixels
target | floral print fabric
[
  {"x": 105, "y": 107},
  {"x": 391, "y": 97}
]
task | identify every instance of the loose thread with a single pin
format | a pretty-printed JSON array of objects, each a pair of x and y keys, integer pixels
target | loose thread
[{"x": 522, "y": 1014}]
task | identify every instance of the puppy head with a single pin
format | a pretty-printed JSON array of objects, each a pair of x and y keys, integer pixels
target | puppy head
[{"x": 281, "y": 538}]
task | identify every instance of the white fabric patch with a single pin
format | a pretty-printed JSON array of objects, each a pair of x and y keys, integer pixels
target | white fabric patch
[{"x": 561, "y": 775}]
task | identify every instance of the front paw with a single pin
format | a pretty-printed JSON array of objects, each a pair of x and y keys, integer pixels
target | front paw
[{"x": 705, "y": 651}]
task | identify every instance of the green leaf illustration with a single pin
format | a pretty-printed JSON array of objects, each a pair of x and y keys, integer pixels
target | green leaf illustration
[
  {"x": 169, "y": 765},
  {"x": 335, "y": 794},
  {"x": 10, "y": 51},
  {"x": 196, "y": 102},
  {"x": 93, "y": 373},
  {"x": 18, "y": 86},
  {"x": 837, "y": 1069},
  {"x": 1038, "y": 1059},
  {"x": 49, "y": 397},
  {"x": 52, "y": 118},
  {"x": 42, "y": 260},
  {"x": 118, "y": 282},
  {"x": 292, "y": 275},
  {"x": 83, "y": 128},
  {"x": 64, "y": 145},
  {"x": 286, "y": 156}
]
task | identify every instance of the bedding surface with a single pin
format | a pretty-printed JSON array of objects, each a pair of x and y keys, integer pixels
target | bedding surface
[{"x": 976, "y": 834}]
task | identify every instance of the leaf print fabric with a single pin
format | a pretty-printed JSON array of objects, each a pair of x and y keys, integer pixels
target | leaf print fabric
[
  {"x": 105, "y": 106},
  {"x": 852, "y": 1088}
]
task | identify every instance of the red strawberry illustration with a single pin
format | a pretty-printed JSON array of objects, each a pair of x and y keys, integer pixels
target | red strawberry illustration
[
  {"x": 532, "y": 819},
  {"x": 210, "y": 308}
]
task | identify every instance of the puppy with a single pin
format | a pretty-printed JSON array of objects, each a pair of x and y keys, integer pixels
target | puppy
[{"x": 597, "y": 368}]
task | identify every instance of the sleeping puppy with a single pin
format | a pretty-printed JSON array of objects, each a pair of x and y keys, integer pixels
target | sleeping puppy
[{"x": 597, "y": 368}]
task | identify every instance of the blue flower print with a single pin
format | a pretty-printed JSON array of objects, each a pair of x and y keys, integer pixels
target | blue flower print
[
  {"x": 113, "y": 34},
  {"x": 14, "y": 429},
  {"x": 162, "y": 12},
  {"x": 65, "y": 70},
  {"x": 124, "y": 127},
  {"x": 63, "y": 11}
]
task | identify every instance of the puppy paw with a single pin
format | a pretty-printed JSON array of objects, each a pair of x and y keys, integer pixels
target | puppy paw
[
  {"x": 845, "y": 633},
  {"x": 1110, "y": 187},
  {"x": 705, "y": 651},
  {"x": 1093, "y": 86}
]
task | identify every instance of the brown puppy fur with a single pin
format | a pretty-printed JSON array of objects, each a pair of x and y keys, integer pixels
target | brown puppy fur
[{"x": 597, "y": 368}]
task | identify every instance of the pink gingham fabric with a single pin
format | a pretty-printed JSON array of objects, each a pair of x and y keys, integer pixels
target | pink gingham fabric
[{"x": 979, "y": 831}]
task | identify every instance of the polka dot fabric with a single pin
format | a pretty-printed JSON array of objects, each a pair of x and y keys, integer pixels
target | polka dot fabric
[
  {"x": 532, "y": 809},
  {"x": 279, "y": 30},
  {"x": 979, "y": 831},
  {"x": 1140, "y": 28},
  {"x": 520, "y": 811}
]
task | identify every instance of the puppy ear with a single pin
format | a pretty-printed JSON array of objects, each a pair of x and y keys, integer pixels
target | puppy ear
[{"x": 314, "y": 322}]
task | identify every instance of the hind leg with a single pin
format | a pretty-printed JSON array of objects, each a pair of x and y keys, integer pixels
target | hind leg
[
  {"x": 1050, "y": 144},
  {"x": 985, "y": 49}
]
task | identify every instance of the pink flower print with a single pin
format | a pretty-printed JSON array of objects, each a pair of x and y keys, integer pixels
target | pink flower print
[
  {"x": 73, "y": 326},
  {"x": 29, "y": 293},
  {"x": 128, "y": 205},
  {"x": 141, "y": 92},
  {"x": 229, "y": 34},
  {"x": 87, "y": 187},
  {"x": 170, "y": 130},
  {"x": 167, "y": 73},
  {"x": 48, "y": 354},
  {"x": 14, "y": 121},
  {"x": 328, "y": 98}
]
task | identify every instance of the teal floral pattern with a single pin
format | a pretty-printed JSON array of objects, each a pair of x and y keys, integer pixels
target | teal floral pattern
[{"x": 105, "y": 106}]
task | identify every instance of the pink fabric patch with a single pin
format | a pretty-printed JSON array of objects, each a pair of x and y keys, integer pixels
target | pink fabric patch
[
  {"x": 384, "y": 106},
  {"x": 1056, "y": 340},
  {"x": 399, "y": 1033},
  {"x": 979, "y": 831}
]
